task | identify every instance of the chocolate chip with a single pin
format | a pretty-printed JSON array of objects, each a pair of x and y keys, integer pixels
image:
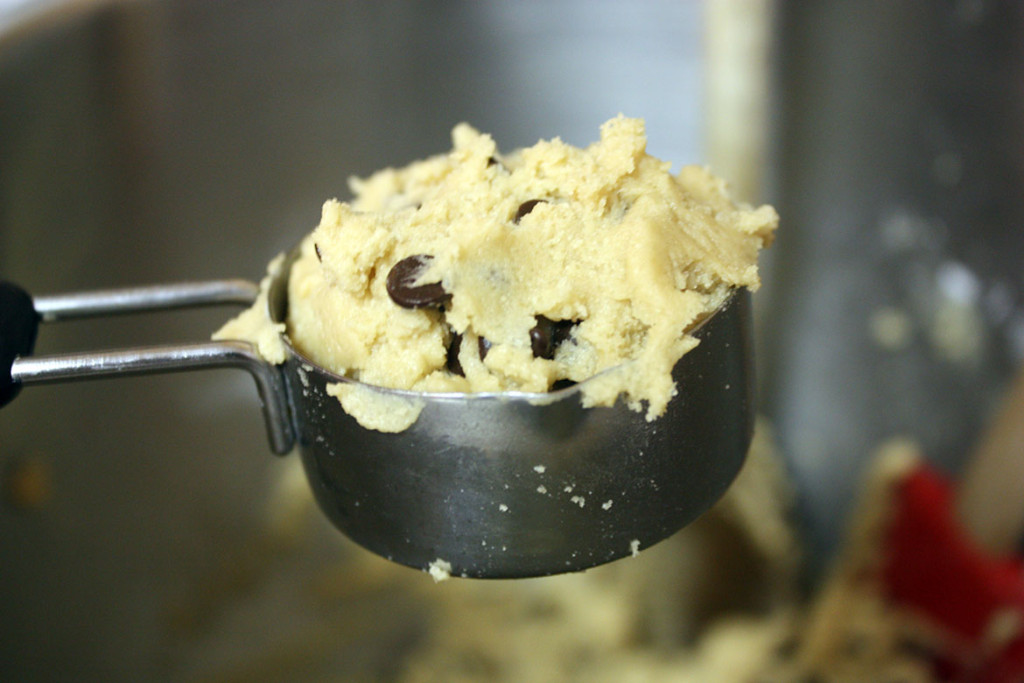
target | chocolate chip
[
  {"x": 495, "y": 161},
  {"x": 562, "y": 384},
  {"x": 540, "y": 339},
  {"x": 452, "y": 360},
  {"x": 402, "y": 287},
  {"x": 547, "y": 334},
  {"x": 319, "y": 256},
  {"x": 525, "y": 208}
]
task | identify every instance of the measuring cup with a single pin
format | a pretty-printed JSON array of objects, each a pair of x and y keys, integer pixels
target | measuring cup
[{"x": 488, "y": 485}]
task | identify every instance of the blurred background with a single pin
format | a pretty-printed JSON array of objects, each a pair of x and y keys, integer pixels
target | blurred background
[{"x": 147, "y": 533}]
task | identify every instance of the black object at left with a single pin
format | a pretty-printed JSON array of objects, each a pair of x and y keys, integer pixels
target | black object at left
[{"x": 19, "y": 324}]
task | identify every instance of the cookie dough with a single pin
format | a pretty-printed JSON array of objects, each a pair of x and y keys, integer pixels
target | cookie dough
[{"x": 476, "y": 271}]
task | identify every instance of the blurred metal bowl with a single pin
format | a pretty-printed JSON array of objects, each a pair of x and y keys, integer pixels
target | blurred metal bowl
[{"x": 153, "y": 140}]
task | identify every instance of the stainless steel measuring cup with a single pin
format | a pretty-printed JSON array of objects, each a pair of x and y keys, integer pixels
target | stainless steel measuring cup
[{"x": 493, "y": 485}]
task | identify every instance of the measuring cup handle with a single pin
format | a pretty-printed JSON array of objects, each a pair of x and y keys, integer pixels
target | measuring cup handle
[
  {"x": 20, "y": 315},
  {"x": 19, "y": 324}
]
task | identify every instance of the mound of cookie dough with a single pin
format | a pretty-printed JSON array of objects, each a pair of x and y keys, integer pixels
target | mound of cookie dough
[{"x": 476, "y": 271}]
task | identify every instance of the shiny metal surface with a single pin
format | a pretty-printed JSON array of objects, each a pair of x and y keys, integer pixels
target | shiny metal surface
[
  {"x": 519, "y": 485},
  {"x": 54, "y": 307},
  {"x": 171, "y": 358},
  {"x": 897, "y": 292},
  {"x": 158, "y": 359}
]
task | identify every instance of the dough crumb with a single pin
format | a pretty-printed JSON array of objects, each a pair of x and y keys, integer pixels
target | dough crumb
[{"x": 440, "y": 570}]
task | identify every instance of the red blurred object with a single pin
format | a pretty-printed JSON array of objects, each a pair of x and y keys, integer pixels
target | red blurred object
[{"x": 933, "y": 567}]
